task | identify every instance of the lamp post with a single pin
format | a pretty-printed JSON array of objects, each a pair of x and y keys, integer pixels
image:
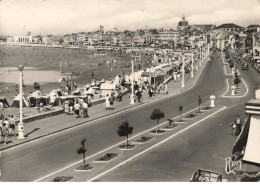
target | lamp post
[
  {"x": 192, "y": 61},
  {"x": 132, "y": 101},
  {"x": 20, "y": 125},
  {"x": 200, "y": 56},
  {"x": 183, "y": 72}
]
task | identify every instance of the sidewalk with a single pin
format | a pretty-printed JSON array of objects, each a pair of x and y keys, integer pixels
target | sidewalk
[{"x": 48, "y": 126}]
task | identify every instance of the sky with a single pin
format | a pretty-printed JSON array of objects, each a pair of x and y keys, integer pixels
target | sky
[{"x": 59, "y": 17}]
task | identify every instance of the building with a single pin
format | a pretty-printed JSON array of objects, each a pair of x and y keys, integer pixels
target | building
[
  {"x": 182, "y": 24},
  {"x": 229, "y": 27}
]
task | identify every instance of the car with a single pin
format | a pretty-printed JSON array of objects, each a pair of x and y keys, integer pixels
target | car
[
  {"x": 245, "y": 66},
  {"x": 206, "y": 176}
]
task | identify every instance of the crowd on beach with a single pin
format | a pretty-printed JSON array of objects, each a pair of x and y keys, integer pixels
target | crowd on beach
[{"x": 7, "y": 127}]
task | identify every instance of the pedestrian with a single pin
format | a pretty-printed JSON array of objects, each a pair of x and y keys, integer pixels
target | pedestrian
[
  {"x": 7, "y": 89},
  {"x": 6, "y": 127},
  {"x": 238, "y": 122},
  {"x": 234, "y": 128},
  {"x": 166, "y": 89},
  {"x": 77, "y": 109},
  {"x": 85, "y": 109},
  {"x": 150, "y": 93},
  {"x": 12, "y": 126},
  {"x": 16, "y": 89},
  {"x": 107, "y": 102},
  {"x": 111, "y": 101},
  {"x": 139, "y": 95},
  {"x": 66, "y": 108}
]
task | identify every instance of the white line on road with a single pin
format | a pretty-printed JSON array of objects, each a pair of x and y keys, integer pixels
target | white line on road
[
  {"x": 229, "y": 96},
  {"x": 158, "y": 144},
  {"x": 108, "y": 148},
  {"x": 113, "y": 114}
]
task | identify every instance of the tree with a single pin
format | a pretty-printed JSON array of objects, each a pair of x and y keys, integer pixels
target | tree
[
  {"x": 125, "y": 130},
  {"x": 180, "y": 109},
  {"x": 236, "y": 80},
  {"x": 231, "y": 65},
  {"x": 154, "y": 31},
  {"x": 157, "y": 114},
  {"x": 199, "y": 101},
  {"x": 141, "y": 32},
  {"x": 83, "y": 151}
]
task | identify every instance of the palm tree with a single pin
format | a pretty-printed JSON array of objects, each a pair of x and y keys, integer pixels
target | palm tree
[
  {"x": 199, "y": 101},
  {"x": 83, "y": 151},
  {"x": 157, "y": 114},
  {"x": 180, "y": 109},
  {"x": 125, "y": 130}
]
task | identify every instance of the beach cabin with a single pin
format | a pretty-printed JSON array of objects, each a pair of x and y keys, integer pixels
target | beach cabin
[
  {"x": 36, "y": 98},
  {"x": 16, "y": 102},
  {"x": 107, "y": 88}
]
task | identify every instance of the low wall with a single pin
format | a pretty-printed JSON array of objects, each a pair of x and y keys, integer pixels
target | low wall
[{"x": 57, "y": 111}]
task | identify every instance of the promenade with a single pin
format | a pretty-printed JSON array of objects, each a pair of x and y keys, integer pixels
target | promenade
[{"x": 52, "y": 125}]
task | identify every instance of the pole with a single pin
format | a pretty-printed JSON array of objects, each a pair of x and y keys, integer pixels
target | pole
[
  {"x": 132, "y": 94},
  {"x": 200, "y": 56},
  {"x": 192, "y": 61},
  {"x": 20, "y": 125},
  {"x": 183, "y": 72}
]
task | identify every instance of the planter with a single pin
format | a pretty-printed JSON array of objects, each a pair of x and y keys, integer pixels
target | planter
[
  {"x": 126, "y": 147},
  {"x": 205, "y": 108},
  {"x": 180, "y": 121},
  {"x": 143, "y": 140},
  {"x": 190, "y": 116},
  {"x": 87, "y": 168},
  {"x": 168, "y": 127},
  {"x": 62, "y": 179},
  {"x": 200, "y": 112},
  {"x": 158, "y": 132},
  {"x": 107, "y": 157}
]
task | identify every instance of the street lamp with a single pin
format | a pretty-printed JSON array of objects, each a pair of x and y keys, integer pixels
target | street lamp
[
  {"x": 192, "y": 61},
  {"x": 200, "y": 56},
  {"x": 20, "y": 125},
  {"x": 132, "y": 101},
  {"x": 183, "y": 62}
]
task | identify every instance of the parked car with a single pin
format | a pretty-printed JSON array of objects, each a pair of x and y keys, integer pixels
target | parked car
[
  {"x": 206, "y": 176},
  {"x": 245, "y": 66}
]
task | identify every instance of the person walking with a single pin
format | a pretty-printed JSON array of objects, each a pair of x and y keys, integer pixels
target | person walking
[
  {"x": 107, "y": 102},
  {"x": 238, "y": 122},
  {"x": 77, "y": 109},
  {"x": 85, "y": 109},
  {"x": 111, "y": 101},
  {"x": 11, "y": 126},
  {"x": 7, "y": 89},
  {"x": 139, "y": 95},
  {"x": 16, "y": 89},
  {"x": 66, "y": 107}
]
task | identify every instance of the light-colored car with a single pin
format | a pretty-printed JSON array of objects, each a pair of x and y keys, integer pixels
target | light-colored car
[{"x": 206, "y": 176}]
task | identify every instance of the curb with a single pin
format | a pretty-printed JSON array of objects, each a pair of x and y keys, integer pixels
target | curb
[{"x": 136, "y": 105}]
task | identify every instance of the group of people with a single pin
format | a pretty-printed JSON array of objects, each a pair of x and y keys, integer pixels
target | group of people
[
  {"x": 236, "y": 126},
  {"x": 7, "y": 127},
  {"x": 36, "y": 85},
  {"x": 74, "y": 109}
]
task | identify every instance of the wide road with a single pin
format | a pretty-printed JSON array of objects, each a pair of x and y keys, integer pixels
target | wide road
[
  {"x": 39, "y": 158},
  {"x": 205, "y": 146}
]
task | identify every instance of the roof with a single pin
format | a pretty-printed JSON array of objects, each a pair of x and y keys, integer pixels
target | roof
[
  {"x": 253, "y": 26},
  {"x": 228, "y": 25},
  {"x": 204, "y": 27}
]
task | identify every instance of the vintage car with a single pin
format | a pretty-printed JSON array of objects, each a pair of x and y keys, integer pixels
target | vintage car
[
  {"x": 245, "y": 66},
  {"x": 206, "y": 176}
]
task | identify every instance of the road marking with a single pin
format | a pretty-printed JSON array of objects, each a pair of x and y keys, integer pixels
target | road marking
[
  {"x": 110, "y": 115},
  {"x": 229, "y": 96},
  {"x": 158, "y": 144},
  {"x": 100, "y": 152}
]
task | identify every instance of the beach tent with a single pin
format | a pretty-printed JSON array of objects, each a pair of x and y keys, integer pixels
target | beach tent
[
  {"x": 90, "y": 91},
  {"x": 4, "y": 101},
  {"x": 16, "y": 102},
  {"x": 76, "y": 92},
  {"x": 54, "y": 97},
  {"x": 36, "y": 98},
  {"x": 107, "y": 87}
]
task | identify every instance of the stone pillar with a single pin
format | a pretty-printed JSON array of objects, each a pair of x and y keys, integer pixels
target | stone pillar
[
  {"x": 233, "y": 90},
  {"x": 212, "y": 101}
]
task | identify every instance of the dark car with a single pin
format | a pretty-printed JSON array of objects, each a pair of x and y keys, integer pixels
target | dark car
[
  {"x": 206, "y": 176},
  {"x": 245, "y": 66}
]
